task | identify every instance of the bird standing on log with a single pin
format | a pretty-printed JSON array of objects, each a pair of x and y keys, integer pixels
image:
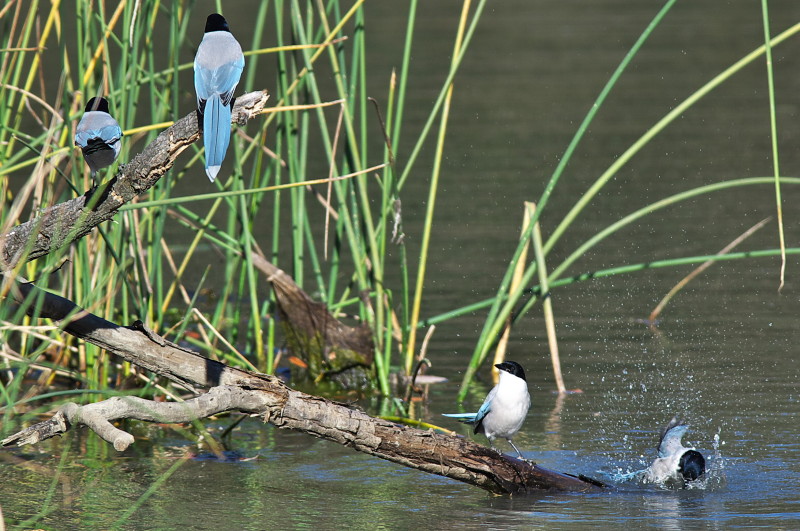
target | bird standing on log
[
  {"x": 98, "y": 135},
  {"x": 218, "y": 67},
  {"x": 505, "y": 407}
]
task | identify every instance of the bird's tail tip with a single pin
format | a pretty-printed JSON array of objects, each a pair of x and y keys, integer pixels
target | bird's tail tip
[{"x": 212, "y": 172}]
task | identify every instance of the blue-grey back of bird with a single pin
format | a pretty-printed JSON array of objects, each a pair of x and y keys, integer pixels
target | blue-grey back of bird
[
  {"x": 98, "y": 135},
  {"x": 218, "y": 67}
]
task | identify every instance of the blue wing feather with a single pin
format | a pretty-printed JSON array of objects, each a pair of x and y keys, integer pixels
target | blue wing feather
[
  {"x": 486, "y": 407},
  {"x": 108, "y": 134},
  {"x": 476, "y": 418}
]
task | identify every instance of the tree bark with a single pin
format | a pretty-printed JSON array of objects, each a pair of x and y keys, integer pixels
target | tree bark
[{"x": 330, "y": 348}]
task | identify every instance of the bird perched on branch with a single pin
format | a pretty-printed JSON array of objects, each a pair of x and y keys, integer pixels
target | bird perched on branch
[
  {"x": 218, "y": 67},
  {"x": 505, "y": 407},
  {"x": 98, "y": 135},
  {"x": 675, "y": 463}
]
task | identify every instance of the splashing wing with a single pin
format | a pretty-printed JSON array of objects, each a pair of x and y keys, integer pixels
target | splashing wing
[{"x": 670, "y": 442}]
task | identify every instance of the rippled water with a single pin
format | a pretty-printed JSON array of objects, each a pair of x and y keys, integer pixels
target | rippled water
[{"x": 725, "y": 356}]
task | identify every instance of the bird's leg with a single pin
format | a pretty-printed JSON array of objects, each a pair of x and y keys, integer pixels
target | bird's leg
[
  {"x": 520, "y": 453},
  {"x": 491, "y": 445},
  {"x": 515, "y": 448}
]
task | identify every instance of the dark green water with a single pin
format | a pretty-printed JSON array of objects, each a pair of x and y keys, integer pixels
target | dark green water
[{"x": 727, "y": 353}]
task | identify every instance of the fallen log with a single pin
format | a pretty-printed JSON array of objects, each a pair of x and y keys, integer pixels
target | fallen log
[{"x": 270, "y": 399}]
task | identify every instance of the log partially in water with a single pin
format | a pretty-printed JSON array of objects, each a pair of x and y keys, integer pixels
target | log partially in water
[
  {"x": 330, "y": 348},
  {"x": 269, "y": 398}
]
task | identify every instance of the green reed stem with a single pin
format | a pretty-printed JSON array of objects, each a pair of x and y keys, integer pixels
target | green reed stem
[
  {"x": 492, "y": 328},
  {"x": 556, "y": 274},
  {"x": 773, "y": 124},
  {"x": 431, "y": 203}
]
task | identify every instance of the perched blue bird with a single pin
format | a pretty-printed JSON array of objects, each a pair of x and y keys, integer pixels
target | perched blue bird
[
  {"x": 505, "y": 407},
  {"x": 98, "y": 135},
  {"x": 218, "y": 66},
  {"x": 675, "y": 463}
]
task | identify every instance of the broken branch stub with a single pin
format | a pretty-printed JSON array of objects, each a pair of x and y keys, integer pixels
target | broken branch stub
[{"x": 331, "y": 349}]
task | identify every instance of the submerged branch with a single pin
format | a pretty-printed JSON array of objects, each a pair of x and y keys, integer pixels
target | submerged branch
[{"x": 97, "y": 416}]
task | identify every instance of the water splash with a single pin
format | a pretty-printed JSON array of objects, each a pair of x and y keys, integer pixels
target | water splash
[{"x": 713, "y": 479}]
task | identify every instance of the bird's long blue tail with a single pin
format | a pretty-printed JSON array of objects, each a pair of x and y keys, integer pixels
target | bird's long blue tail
[
  {"x": 216, "y": 134},
  {"x": 466, "y": 418}
]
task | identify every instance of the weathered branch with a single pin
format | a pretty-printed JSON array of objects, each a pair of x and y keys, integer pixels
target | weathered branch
[
  {"x": 135, "y": 343},
  {"x": 432, "y": 452},
  {"x": 61, "y": 224},
  {"x": 97, "y": 416}
]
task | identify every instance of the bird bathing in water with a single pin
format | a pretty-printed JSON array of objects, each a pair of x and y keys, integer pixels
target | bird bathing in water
[
  {"x": 676, "y": 464},
  {"x": 505, "y": 407},
  {"x": 98, "y": 135}
]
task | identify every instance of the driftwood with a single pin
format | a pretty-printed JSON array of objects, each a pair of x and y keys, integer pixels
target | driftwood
[{"x": 229, "y": 389}]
